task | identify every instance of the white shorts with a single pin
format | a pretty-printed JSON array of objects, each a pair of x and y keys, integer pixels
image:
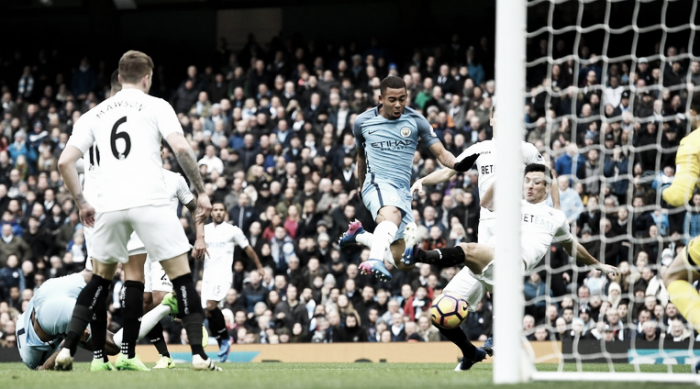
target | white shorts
[
  {"x": 466, "y": 286},
  {"x": 214, "y": 288},
  {"x": 157, "y": 226},
  {"x": 87, "y": 234},
  {"x": 135, "y": 245},
  {"x": 487, "y": 230},
  {"x": 529, "y": 261},
  {"x": 155, "y": 278}
]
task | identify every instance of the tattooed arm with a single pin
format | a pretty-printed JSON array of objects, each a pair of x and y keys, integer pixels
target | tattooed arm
[{"x": 188, "y": 163}]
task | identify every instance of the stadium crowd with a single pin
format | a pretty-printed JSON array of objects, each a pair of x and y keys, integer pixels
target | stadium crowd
[{"x": 272, "y": 126}]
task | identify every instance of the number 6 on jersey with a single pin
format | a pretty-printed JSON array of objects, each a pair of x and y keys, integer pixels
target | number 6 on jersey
[{"x": 122, "y": 135}]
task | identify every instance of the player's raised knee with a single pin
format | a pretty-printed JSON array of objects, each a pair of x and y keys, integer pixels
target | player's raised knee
[
  {"x": 390, "y": 213},
  {"x": 469, "y": 249}
]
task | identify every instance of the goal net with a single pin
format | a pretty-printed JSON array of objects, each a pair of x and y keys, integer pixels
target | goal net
[{"x": 609, "y": 86}]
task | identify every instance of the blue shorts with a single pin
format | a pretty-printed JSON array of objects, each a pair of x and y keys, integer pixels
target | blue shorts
[{"x": 377, "y": 194}]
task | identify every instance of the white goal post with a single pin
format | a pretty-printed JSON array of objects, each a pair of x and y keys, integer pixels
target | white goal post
[
  {"x": 510, "y": 71},
  {"x": 512, "y": 362}
]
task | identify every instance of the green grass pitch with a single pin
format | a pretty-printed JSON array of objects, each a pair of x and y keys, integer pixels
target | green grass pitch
[{"x": 297, "y": 376}]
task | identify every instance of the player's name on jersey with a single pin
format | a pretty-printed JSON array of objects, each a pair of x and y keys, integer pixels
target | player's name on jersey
[
  {"x": 534, "y": 219},
  {"x": 119, "y": 104},
  {"x": 216, "y": 245}
]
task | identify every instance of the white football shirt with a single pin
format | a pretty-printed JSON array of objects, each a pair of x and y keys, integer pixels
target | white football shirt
[
  {"x": 88, "y": 165},
  {"x": 486, "y": 165},
  {"x": 540, "y": 225},
  {"x": 220, "y": 242},
  {"x": 126, "y": 131},
  {"x": 177, "y": 188}
]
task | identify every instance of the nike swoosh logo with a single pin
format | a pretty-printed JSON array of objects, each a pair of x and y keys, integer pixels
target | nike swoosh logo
[{"x": 371, "y": 132}]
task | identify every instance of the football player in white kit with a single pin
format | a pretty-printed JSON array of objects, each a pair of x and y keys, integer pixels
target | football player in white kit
[
  {"x": 220, "y": 238},
  {"x": 141, "y": 276},
  {"x": 541, "y": 225},
  {"x": 128, "y": 128},
  {"x": 483, "y": 156}
]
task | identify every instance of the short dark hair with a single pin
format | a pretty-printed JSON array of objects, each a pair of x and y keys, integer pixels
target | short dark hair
[
  {"x": 133, "y": 65},
  {"x": 219, "y": 202},
  {"x": 535, "y": 167},
  {"x": 538, "y": 167},
  {"x": 392, "y": 82}
]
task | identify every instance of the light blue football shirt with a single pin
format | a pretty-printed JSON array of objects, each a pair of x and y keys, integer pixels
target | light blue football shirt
[{"x": 389, "y": 144}]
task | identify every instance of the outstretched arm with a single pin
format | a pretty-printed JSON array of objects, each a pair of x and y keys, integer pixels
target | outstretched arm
[
  {"x": 434, "y": 178},
  {"x": 554, "y": 189},
  {"x": 446, "y": 158},
  {"x": 110, "y": 348},
  {"x": 583, "y": 256}
]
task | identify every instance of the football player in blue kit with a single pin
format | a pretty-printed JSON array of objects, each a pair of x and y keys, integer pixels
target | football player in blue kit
[{"x": 386, "y": 137}]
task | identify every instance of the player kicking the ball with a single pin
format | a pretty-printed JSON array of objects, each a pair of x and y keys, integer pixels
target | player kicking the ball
[
  {"x": 220, "y": 238},
  {"x": 541, "y": 224},
  {"x": 386, "y": 138}
]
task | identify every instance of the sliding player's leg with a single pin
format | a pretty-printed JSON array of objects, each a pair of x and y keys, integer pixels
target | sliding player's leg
[
  {"x": 465, "y": 286},
  {"x": 477, "y": 257}
]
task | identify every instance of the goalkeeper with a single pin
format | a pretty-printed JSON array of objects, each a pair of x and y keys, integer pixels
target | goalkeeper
[{"x": 685, "y": 268}]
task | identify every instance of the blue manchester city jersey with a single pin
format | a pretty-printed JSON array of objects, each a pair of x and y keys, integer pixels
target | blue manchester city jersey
[{"x": 389, "y": 144}]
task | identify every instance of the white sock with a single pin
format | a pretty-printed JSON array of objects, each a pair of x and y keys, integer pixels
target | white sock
[
  {"x": 383, "y": 237},
  {"x": 365, "y": 238},
  {"x": 389, "y": 257},
  {"x": 148, "y": 321}
]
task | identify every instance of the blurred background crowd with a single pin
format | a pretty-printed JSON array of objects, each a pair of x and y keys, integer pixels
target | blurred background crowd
[{"x": 272, "y": 128}]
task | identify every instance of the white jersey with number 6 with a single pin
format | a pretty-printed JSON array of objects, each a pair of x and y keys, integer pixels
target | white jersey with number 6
[{"x": 126, "y": 131}]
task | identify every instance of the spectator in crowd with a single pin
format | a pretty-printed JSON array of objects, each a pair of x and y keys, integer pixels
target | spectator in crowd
[{"x": 273, "y": 136}]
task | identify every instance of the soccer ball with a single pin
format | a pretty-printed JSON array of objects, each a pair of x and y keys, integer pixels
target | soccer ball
[{"x": 448, "y": 311}]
